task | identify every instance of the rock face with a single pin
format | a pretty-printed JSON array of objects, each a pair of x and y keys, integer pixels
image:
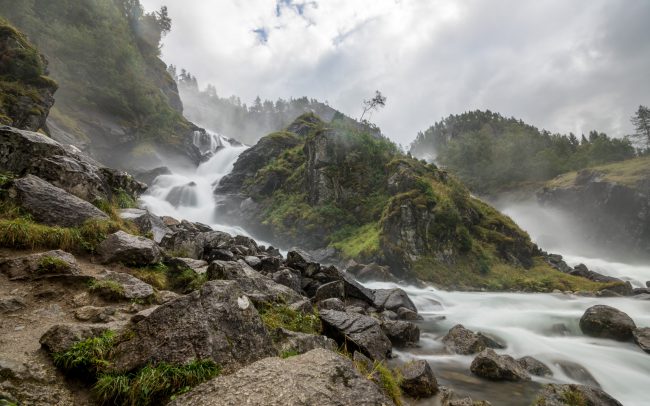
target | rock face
[
  {"x": 217, "y": 322},
  {"x": 319, "y": 377},
  {"x": 51, "y": 205},
  {"x": 37, "y": 266},
  {"x": 564, "y": 395},
  {"x": 129, "y": 250},
  {"x": 642, "y": 338},
  {"x": 289, "y": 341},
  {"x": 24, "y": 152},
  {"x": 488, "y": 364},
  {"x": 357, "y": 330},
  {"x": 607, "y": 322},
  {"x": 418, "y": 380},
  {"x": 463, "y": 341}
]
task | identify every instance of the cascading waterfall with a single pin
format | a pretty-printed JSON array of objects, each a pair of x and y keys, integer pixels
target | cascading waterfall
[{"x": 544, "y": 326}]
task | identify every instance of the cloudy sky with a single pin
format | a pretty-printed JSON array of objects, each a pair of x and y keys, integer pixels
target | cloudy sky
[{"x": 561, "y": 65}]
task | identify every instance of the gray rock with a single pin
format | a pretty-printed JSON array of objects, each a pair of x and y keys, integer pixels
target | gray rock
[
  {"x": 534, "y": 366},
  {"x": 11, "y": 304},
  {"x": 642, "y": 338},
  {"x": 286, "y": 340},
  {"x": 94, "y": 314},
  {"x": 319, "y": 377},
  {"x": 607, "y": 322},
  {"x": 361, "y": 332},
  {"x": 62, "y": 337},
  {"x": 217, "y": 322},
  {"x": 142, "y": 314},
  {"x": 393, "y": 299},
  {"x": 373, "y": 272},
  {"x": 51, "y": 205},
  {"x": 408, "y": 314},
  {"x": 132, "y": 287},
  {"x": 488, "y": 364},
  {"x": 289, "y": 279},
  {"x": 146, "y": 223},
  {"x": 577, "y": 372},
  {"x": 252, "y": 261},
  {"x": 129, "y": 249},
  {"x": 557, "y": 395},
  {"x": 178, "y": 265},
  {"x": 331, "y": 290},
  {"x": 303, "y": 306},
  {"x": 331, "y": 304},
  {"x": 41, "y": 265},
  {"x": 401, "y": 332},
  {"x": 463, "y": 341},
  {"x": 418, "y": 380},
  {"x": 165, "y": 296}
]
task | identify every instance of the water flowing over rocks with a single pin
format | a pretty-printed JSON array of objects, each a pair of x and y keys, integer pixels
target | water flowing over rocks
[
  {"x": 642, "y": 338},
  {"x": 463, "y": 341},
  {"x": 607, "y": 322},
  {"x": 489, "y": 364},
  {"x": 562, "y": 395}
]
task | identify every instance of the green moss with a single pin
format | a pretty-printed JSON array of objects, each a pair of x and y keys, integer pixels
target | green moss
[
  {"x": 49, "y": 264},
  {"x": 277, "y": 316},
  {"x": 107, "y": 288},
  {"x": 574, "y": 398},
  {"x": 186, "y": 280},
  {"x": 361, "y": 242},
  {"x": 289, "y": 353}
]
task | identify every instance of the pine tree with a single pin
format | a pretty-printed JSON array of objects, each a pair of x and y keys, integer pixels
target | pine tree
[{"x": 641, "y": 122}]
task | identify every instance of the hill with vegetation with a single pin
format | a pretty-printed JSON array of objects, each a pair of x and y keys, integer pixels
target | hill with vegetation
[
  {"x": 116, "y": 99},
  {"x": 491, "y": 153}
]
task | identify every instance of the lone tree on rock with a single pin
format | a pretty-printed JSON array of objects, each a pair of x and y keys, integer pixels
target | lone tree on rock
[
  {"x": 373, "y": 104},
  {"x": 641, "y": 121}
]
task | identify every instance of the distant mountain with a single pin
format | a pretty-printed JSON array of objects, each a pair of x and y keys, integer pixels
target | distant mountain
[{"x": 492, "y": 153}]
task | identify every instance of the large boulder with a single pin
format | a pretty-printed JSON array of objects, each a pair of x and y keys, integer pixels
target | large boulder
[
  {"x": 358, "y": 331},
  {"x": 418, "y": 380},
  {"x": 642, "y": 338},
  {"x": 51, "y": 205},
  {"x": 217, "y": 322},
  {"x": 61, "y": 337},
  {"x": 488, "y": 364},
  {"x": 287, "y": 341},
  {"x": 319, "y": 377},
  {"x": 534, "y": 366},
  {"x": 392, "y": 299},
  {"x": 569, "y": 395},
  {"x": 120, "y": 285},
  {"x": 129, "y": 249},
  {"x": 401, "y": 332},
  {"x": 41, "y": 265},
  {"x": 147, "y": 223},
  {"x": 463, "y": 341},
  {"x": 607, "y": 322}
]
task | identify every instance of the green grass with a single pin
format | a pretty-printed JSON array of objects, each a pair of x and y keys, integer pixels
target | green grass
[
  {"x": 107, "y": 288},
  {"x": 629, "y": 172},
  {"x": 186, "y": 280},
  {"x": 87, "y": 356},
  {"x": 386, "y": 379},
  {"x": 573, "y": 398},
  {"x": 153, "y": 385},
  {"x": 289, "y": 353},
  {"x": 49, "y": 264},
  {"x": 282, "y": 316},
  {"x": 363, "y": 242}
]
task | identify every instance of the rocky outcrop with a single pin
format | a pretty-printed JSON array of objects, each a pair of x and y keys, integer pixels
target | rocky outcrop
[
  {"x": 123, "y": 286},
  {"x": 607, "y": 322},
  {"x": 121, "y": 247},
  {"x": 217, "y": 322},
  {"x": 359, "y": 332},
  {"x": 418, "y": 380},
  {"x": 51, "y": 205},
  {"x": 147, "y": 223},
  {"x": 62, "y": 337},
  {"x": 463, "y": 341},
  {"x": 489, "y": 364},
  {"x": 566, "y": 395},
  {"x": 319, "y": 377},
  {"x": 37, "y": 266}
]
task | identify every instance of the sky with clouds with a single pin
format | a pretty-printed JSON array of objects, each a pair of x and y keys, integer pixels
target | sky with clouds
[{"x": 561, "y": 65}]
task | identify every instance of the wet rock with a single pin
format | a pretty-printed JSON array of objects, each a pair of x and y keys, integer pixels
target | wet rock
[
  {"x": 353, "y": 289},
  {"x": 94, "y": 314},
  {"x": 303, "y": 306},
  {"x": 329, "y": 291},
  {"x": 387, "y": 315},
  {"x": 253, "y": 262},
  {"x": 642, "y": 338},
  {"x": 132, "y": 288},
  {"x": 121, "y": 247},
  {"x": 373, "y": 272},
  {"x": 147, "y": 223},
  {"x": 148, "y": 176},
  {"x": 578, "y": 373},
  {"x": 217, "y": 322},
  {"x": 401, "y": 332},
  {"x": 392, "y": 299},
  {"x": 269, "y": 264},
  {"x": 489, "y": 364},
  {"x": 51, "y": 205},
  {"x": 331, "y": 304},
  {"x": 607, "y": 322},
  {"x": 418, "y": 380},
  {"x": 319, "y": 377},
  {"x": 292, "y": 341},
  {"x": 301, "y": 260},
  {"x": 449, "y": 398},
  {"x": 41, "y": 265},
  {"x": 564, "y": 395},
  {"x": 11, "y": 304},
  {"x": 361, "y": 332},
  {"x": 228, "y": 270},
  {"x": 178, "y": 265},
  {"x": 62, "y": 337},
  {"x": 408, "y": 314},
  {"x": 534, "y": 366},
  {"x": 463, "y": 341},
  {"x": 220, "y": 254},
  {"x": 289, "y": 279}
]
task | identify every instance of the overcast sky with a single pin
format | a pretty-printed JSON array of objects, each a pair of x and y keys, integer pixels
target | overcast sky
[{"x": 561, "y": 65}]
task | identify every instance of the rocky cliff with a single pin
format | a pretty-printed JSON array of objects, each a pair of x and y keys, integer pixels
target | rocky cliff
[{"x": 610, "y": 202}]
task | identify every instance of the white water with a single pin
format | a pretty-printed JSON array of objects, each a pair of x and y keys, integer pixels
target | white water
[{"x": 524, "y": 322}]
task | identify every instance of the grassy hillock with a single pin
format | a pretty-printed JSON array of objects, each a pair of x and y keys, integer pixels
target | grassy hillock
[
  {"x": 335, "y": 185},
  {"x": 630, "y": 173}
]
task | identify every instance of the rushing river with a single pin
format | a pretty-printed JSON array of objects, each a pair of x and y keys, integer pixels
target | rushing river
[{"x": 544, "y": 326}]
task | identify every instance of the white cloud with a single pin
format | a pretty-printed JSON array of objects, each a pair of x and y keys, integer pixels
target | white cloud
[{"x": 564, "y": 66}]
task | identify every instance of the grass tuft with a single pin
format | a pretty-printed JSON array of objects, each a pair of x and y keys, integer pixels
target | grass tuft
[
  {"x": 49, "y": 264},
  {"x": 87, "y": 356},
  {"x": 107, "y": 288},
  {"x": 282, "y": 316}
]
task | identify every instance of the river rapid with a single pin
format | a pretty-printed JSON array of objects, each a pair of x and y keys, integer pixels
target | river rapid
[{"x": 544, "y": 326}]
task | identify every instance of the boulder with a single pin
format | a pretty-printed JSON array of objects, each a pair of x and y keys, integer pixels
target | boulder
[
  {"x": 565, "y": 395},
  {"x": 41, "y": 265},
  {"x": 51, "y": 205},
  {"x": 129, "y": 249},
  {"x": 288, "y": 278},
  {"x": 401, "y": 332},
  {"x": 94, "y": 314},
  {"x": 354, "y": 289},
  {"x": 392, "y": 299},
  {"x": 534, "y": 366},
  {"x": 301, "y": 260},
  {"x": 408, "y": 314},
  {"x": 331, "y": 304},
  {"x": 488, "y": 364},
  {"x": 303, "y": 306},
  {"x": 319, "y": 377},
  {"x": 217, "y": 322},
  {"x": 131, "y": 288},
  {"x": 642, "y": 338},
  {"x": 373, "y": 272},
  {"x": 463, "y": 341},
  {"x": 61, "y": 337},
  {"x": 11, "y": 304},
  {"x": 330, "y": 290},
  {"x": 607, "y": 322},
  {"x": 418, "y": 380},
  {"x": 147, "y": 223},
  {"x": 178, "y": 265},
  {"x": 358, "y": 331},
  {"x": 293, "y": 341}
]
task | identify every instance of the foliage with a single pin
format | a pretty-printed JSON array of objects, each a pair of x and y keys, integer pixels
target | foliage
[
  {"x": 107, "y": 288},
  {"x": 386, "y": 379},
  {"x": 631, "y": 172},
  {"x": 277, "y": 316},
  {"x": 288, "y": 353},
  {"x": 186, "y": 280},
  {"x": 375, "y": 103},
  {"x": 358, "y": 242},
  {"x": 87, "y": 356},
  {"x": 489, "y": 152},
  {"x": 49, "y": 264},
  {"x": 641, "y": 122}
]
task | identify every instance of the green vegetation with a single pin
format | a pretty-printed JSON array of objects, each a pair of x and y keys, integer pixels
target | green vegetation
[
  {"x": 489, "y": 152},
  {"x": 288, "y": 353},
  {"x": 49, "y": 264},
  {"x": 107, "y": 288},
  {"x": 104, "y": 55},
  {"x": 630, "y": 172},
  {"x": 150, "y": 385},
  {"x": 276, "y": 316},
  {"x": 386, "y": 379},
  {"x": 185, "y": 281}
]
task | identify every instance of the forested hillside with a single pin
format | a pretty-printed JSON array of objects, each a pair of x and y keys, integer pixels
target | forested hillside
[{"x": 490, "y": 152}]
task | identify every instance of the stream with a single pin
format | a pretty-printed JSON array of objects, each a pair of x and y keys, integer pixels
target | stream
[{"x": 544, "y": 326}]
